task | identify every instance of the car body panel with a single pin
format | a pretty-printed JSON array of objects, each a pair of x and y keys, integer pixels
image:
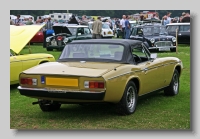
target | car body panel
[
  {"x": 148, "y": 74},
  {"x": 19, "y": 37},
  {"x": 183, "y": 32},
  {"x": 38, "y": 38},
  {"x": 67, "y": 31},
  {"x": 162, "y": 42}
]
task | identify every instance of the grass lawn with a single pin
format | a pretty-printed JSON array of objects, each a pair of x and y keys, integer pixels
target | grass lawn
[{"x": 153, "y": 112}]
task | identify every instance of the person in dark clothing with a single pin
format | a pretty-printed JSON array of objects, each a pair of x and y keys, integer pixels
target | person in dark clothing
[
  {"x": 48, "y": 28},
  {"x": 73, "y": 20},
  {"x": 141, "y": 16},
  {"x": 117, "y": 23},
  {"x": 186, "y": 18}
]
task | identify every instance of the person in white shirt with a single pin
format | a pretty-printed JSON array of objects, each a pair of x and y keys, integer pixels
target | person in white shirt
[
  {"x": 18, "y": 21},
  {"x": 168, "y": 17},
  {"x": 107, "y": 22},
  {"x": 122, "y": 25}
]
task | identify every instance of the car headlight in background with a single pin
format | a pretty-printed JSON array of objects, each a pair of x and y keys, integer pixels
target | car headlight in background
[
  {"x": 152, "y": 40},
  {"x": 174, "y": 39},
  {"x": 47, "y": 39},
  {"x": 65, "y": 40}
]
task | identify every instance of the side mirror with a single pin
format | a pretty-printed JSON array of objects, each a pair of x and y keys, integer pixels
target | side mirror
[{"x": 153, "y": 56}]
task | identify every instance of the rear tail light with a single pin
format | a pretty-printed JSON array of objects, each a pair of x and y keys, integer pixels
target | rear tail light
[
  {"x": 94, "y": 84},
  {"x": 59, "y": 38},
  {"x": 28, "y": 81}
]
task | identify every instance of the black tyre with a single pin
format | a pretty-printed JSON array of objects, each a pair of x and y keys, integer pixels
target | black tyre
[
  {"x": 47, "y": 106},
  {"x": 128, "y": 103},
  {"x": 173, "y": 88},
  {"x": 173, "y": 50},
  {"x": 49, "y": 49}
]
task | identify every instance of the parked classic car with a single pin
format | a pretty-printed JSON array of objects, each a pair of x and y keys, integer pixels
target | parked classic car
[
  {"x": 155, "y": 37},
  {"x": 38, "y": 37},
  {"x": 106, "y": 31},
  {"x": 19, "y": 37},
  {"x": 183, "y": 32},
  {"x": 65, "y": 33},
  {"x": 113, "y": 71}
]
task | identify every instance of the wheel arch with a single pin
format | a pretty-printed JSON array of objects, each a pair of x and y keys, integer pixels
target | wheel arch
[
  {"x": 137, "y": 83},
  {"x": 42, "y": 61},
  {"x": 178, "y": 68}
]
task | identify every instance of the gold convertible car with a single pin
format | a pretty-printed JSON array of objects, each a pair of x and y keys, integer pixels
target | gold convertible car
[
  {"x": 19, "y": 37},
  {"x": 115, "y": 71}
]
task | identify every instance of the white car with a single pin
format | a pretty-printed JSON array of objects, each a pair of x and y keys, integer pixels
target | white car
[{"x": 106, "y": 31}]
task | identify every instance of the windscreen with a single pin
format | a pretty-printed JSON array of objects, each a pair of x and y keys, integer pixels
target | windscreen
[{"x": 92, "y": 52}]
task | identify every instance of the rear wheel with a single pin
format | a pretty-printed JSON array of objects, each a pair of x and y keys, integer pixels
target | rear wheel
[
  {"x": 173, "y": 88},
  {"x": 173, "y": 49},
  {"x": 128, "y": 103},
  {"x": 47, "y": 105},
  {"x": 49, "y": 49}
]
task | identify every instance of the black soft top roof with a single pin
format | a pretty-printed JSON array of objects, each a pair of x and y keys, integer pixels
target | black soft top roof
[
  {"x": 125, "y": 42},
  {"x": 127, "y": 54}
]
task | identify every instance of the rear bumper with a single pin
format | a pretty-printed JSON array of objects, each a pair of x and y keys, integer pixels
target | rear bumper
[
  {"x": 162, "y": 48},
  {"x": 62, "y": 94},
  {"x": 108, "y": 36}
]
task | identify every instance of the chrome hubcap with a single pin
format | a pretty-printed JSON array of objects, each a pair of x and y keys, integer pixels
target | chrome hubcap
[
  {"x": 175, "y": 86},
  {"x": 130, "y": 97}
]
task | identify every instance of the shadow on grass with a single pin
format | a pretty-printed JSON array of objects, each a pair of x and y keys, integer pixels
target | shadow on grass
[
  {"x": 13, "y": 87},
  {"x": 98, "y": 111}
]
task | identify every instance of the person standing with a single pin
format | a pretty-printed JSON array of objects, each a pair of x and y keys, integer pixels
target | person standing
[
  {"x": 122, "y": 26},
  {"x": 165, "y": 21},
  {"x": 186, "y": 18},
  {"x": 117, "y": 23},
  {"x": 11, "y": 22},
  {"x": 84, "y": 20},
  {"x": 97, "y": 28},
  {"x": 18, "y": 21},
  {"x": 141, "y": 16},
  {"x": 39, "y": 21},
  {"x": 30, "y": 21},
  {"x": 168, "y": 17},
  {"x": 127, "y": 27},
  {"x": 73, "y": 20},
  {"x": 48, "y": 31}
]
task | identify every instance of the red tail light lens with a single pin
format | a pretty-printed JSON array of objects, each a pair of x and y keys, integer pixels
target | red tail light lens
[
  {"x": 94, "y": 84},
  {"x": 59, "y": 38},
  {"x": 28, "y": 81}
]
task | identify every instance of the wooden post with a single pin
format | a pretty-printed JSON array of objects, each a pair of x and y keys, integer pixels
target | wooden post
[
  {"x": 176, "y": 40},
  {"x": 29, "y": 48}
]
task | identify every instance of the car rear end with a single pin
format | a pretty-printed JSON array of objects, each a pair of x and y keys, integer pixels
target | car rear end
[{"x": 64, "y": 89}]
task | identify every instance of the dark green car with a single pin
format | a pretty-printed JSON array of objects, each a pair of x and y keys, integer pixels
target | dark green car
[{"x": 65, "y": 33}]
